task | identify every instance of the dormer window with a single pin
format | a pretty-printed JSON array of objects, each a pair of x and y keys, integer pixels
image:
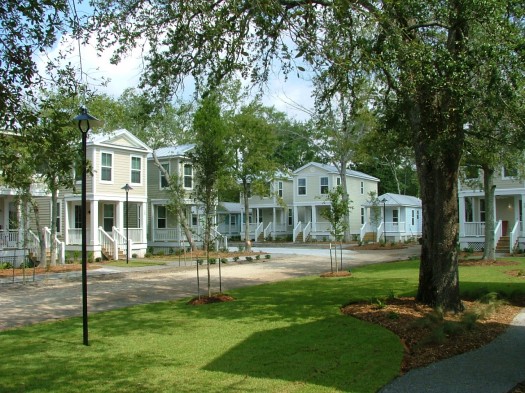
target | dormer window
[{"x": 509, "y": 172}]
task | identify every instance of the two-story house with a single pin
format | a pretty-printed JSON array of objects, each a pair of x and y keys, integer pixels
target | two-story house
[
  {"x": 165, "y": 232},
  {"x": 116, "y": 159},
  {"x": 508, "y": 206},
  {"x": 311, "y": 185}
]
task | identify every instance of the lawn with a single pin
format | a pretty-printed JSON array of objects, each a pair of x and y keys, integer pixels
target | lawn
[{"x": 280, "y": 337}]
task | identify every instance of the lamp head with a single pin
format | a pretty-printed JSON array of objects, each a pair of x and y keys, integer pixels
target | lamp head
[
  {"x": 127, "y": 187},
  {"x": 86, "y": 121}
]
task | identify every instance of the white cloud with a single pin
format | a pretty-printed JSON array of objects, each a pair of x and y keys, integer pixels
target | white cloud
[{"x": 286, "y": 95}]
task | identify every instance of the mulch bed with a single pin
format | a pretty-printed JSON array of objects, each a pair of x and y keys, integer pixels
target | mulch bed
[
  {"x": 217, "y": 298},
  {"x": 52, "y": 269},
  {"x": 342, "y": 273}
]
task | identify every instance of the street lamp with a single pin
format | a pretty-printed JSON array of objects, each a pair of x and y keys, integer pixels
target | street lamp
[
  {"x": 384, "y": 217},
  {"x": 127, "y": 187},
  {"x": 85, "y": 122}
]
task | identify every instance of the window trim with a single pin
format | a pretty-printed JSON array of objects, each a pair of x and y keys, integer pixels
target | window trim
[
  {"x": 280, "y": 192},
  {"x": 102, "y": 167},
  {"x": 164, "y": 218},
  {"x": 131, "y": 170},
  {"x": 323, "y": 188},
  {"x": 299, "y": 186},
  {"x": 184, "y": 176},
  {"x": 362, "y": 187},
  {"x": 161, "y": 175},
  {"x": 504, "y": 175}
]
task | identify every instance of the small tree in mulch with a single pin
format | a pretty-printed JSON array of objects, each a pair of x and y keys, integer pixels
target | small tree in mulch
[{"x": 336, "y": 214}]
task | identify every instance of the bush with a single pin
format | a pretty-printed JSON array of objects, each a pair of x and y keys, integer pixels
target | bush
[
  {"x": 6, "y": 265},
  {"x": 267, "y": 256},
  {"x": 200, "y": 261},
  {"x": 249, "y": 259},
  {"x": 98, "y": 259},
  {"x": 147, "y": 255},
  {"x": 213, "y": 261},
  {"x": 240, "y": 248},
  {"x": 257, "y": 257},
  {"x": 134, "y": 256},
  {"x": 224, "y": 260},
  {"x": 235, "y": 259}
]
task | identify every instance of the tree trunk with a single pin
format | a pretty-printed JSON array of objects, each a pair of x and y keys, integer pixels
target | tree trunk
[
  {"x": 52, "y": 244},
  {"x": 438, "y": 167},
  {"x": 489, "y": 252}
]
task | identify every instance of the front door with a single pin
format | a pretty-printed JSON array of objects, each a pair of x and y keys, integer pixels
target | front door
[{"x": 109, "y": 217}]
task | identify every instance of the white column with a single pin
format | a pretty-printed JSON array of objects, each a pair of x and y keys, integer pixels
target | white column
[
  {"x": 65, "y": 229},
  {"x": 144, "y": 221},
  {"x": 295, "y": 217},
  {"x": 152, "y": 215},
  {"x": 461, "y": 215},
  {"x": 274, "y": 223},
  {"x": 94, "y": 224},
  {"x": 314, "y": 218},
  {"x": 120, "y": 215}
]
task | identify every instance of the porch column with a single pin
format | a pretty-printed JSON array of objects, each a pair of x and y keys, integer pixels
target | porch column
[
  {"x": 144, "y": 222},
  {"x": 314, "y": 218},
  {"x": 295, "y": 216},
  {"x": 152, "y": 222},
  {"x": 5, "y": 216},
  {"x": 93, "y": 219},
  {"x": 120, "y": 216},
  {"x": 274, "y": 221},
  {"x": 66, "y": 222},
  {"x": 461, "y": 216}
]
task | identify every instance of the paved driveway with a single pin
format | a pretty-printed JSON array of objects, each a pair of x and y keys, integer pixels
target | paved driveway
[{"x": 51, "y": 298}]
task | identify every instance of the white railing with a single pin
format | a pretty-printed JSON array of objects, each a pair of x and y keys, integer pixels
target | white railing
[
  {"x": 220, "y": 239},
  {"x": 166, "y": 234},
  {"x": 514, "y": 234},
  {"x": 476, "y": 229},
  {"x": 321, "y": 227},
  {"x": 57, "y": 243},
  {"x": 108, "y": 243},
  {"x": 135, "y": 234},
  {"x": 395, "y": 227},
  {"x": 498, "y": 232},
  {"x": 307, "y": 230},
  {"x": 280, "y": 228},
  {"x": 268, "y": 230},
  {"x": 258, "y": 230},
  {"x": 9, "y": 239},
  {"x": 122, "y": 241},
  {"x": 297, "y": 230},
  {"x": 33, "y": 243}
]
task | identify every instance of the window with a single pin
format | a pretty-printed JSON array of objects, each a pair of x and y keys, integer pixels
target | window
[
  {"x": 109, "y": 217},
  {"x": 482, "y": 210},
  {"x": 395, "y": 216},
  {"x": 413, "y": 217},
  {"x": 290, "y": 217},
  {"x": 280, "y": 189},
  {"x": 188, "y": 176},
  {"x": 139, "y": 216},
  {"x": 510, "y": 172},
  {"x": 233, "y": 220},
  {"x": 362, "y": 187},
  {"x": 106, "y": 167},
  {"x": 161, "y": 217},
  {"x": 301, "y": 190},
  {"x": 78, "y": 217},
  {"x": 338, "y": 181},
  {"x": 58, "y": 217},
  {"x": 135, "y": 170},
  {"x": 194, "y": 220},
  {"x": 163, "y": 180},
  {"x": 362, "y": 215},
  {"x": 324, "y": 185}
]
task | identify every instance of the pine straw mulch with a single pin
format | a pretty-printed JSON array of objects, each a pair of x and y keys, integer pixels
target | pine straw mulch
[
  {"x": 423, "y": 341},
  {"x": 73, "y": 267},
  {"x": 216, "y": 298}
]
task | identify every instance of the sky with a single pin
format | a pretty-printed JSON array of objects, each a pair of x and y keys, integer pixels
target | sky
[{"x": 283, "y": 94}]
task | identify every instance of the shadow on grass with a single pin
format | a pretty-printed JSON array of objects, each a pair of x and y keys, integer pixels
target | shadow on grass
[{"x": 331, "y": 352}]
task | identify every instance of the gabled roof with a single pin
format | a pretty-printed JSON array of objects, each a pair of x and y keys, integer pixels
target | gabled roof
[
  {"x": 333, "y": 170},
  {"x": 173, "y": 151},
  {"x": 229, "y": 207},
  {"x": 398, "y": 200},
  {"x": 119, "y": 138}
]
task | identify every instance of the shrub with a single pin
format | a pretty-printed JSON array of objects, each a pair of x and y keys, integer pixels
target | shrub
[
  {"x": 160, "y": 253},
  {"x": 240, "y": 248},
  {"x": 200, "y": 261},
  {"x": 235, "y": 259},
  {"x": 257, "y": 257},
  {"x": 249, "y": 259},
  {"x": 134, "y": 255},
  {"x": 267, "y": 256},
  {"x": 224, "y": 260},
  {"x": 212, "y": 261},
  {"x": 147, "y": 255},
  {"x": 98, "y": 259},
  {"x": 6, "y": 265}
]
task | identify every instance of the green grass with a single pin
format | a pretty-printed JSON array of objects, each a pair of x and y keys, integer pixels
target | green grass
[{"x": 280, "y": 337}]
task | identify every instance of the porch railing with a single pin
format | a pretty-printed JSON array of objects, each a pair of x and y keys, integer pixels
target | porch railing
[
  {"x": 321, "y": 227},
  {"x": 514, "y": 235},
  {"x": 258, "y": 230},
  {"x": 297, "y": 229},
  {"x": 221, "y": 241},
  {"x": 9, "y": 239},
  {"x": 395, "y": 227},
  {"x": 166, "y": 234},
  {"x": 57, "y": 243},
  {"x": 33, "y": 243},
  {"x": 123, "y": 243},
  {"x": 268, "y": 230},
  {"x": 476, "y": 229},
  {"x": 108, "y": 243},
  {"x": 307, "y": 231}
]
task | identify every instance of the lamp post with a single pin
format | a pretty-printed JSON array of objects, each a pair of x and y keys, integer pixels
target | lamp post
[
  {"x": 85, "y": 122},
  {"x": 127, "y": 187},
  {"x": 384, "y": 217}
]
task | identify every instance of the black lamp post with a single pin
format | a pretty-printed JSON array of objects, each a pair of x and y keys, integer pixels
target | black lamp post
[
  {"x": 85, "y": 122},
  {"x": 127, "y": 187},
  {"x": 384, "y": 217}
]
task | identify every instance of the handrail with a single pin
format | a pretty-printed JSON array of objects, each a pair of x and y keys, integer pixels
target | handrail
[
  {"x": 60, "y": 245},
  {"x": 514, "y": 234},
  {"x": 296, "y": 231},
  {"x": 498, "y": 232},
  {"x": 218, "y": 237},
  {"x": 258, "y": 230},
  {"x": 268, "y": 230},
  {"x": 108, "y": 242},
  {"x": 120, "y": 240},
  {"x": 307, "y": 230},
  {"x": 33, "y": 243}
]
